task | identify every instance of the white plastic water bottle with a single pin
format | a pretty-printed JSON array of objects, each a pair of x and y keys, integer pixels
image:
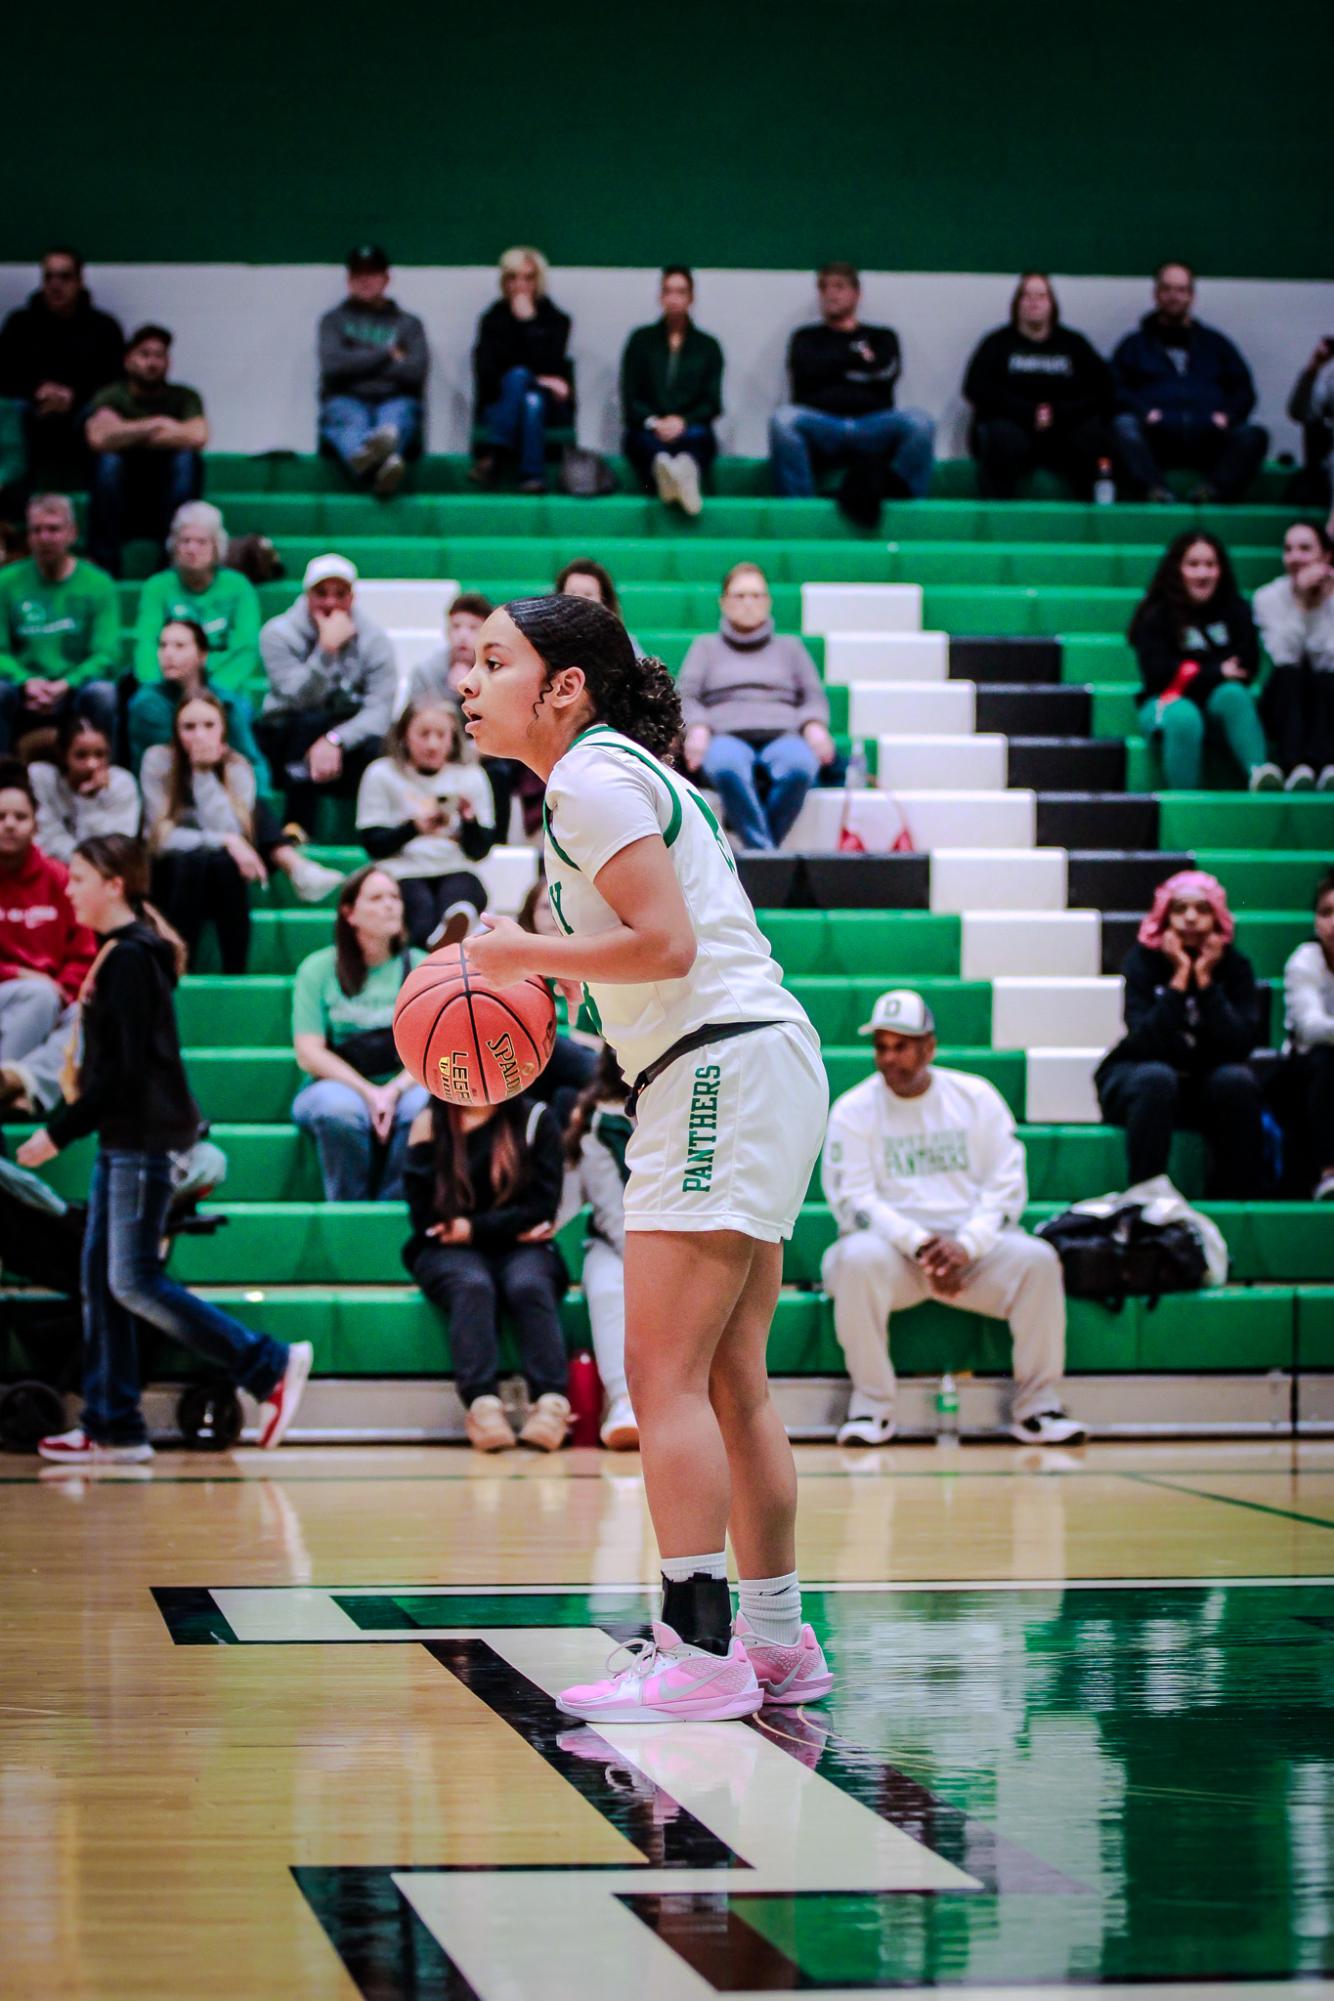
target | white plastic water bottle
[
  {"x": 947, "y": 1411},
  {"x": 1104, "y": 486},
  {"x": 855, "y": 777}
]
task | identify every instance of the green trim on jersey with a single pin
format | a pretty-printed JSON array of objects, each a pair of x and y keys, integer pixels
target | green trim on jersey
[
  {"x": 551, "y": 836},
  {"x": 651, "y": 764}
]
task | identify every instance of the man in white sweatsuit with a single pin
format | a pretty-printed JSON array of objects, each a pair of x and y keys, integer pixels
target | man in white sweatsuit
[{"x": 925, "y": 1174}]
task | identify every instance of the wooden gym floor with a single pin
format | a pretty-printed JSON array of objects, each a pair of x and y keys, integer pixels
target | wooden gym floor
[{"x": 282, "y": 1726}]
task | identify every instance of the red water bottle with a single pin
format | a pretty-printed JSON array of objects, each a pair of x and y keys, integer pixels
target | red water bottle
[{"x": 585, "y": 1399}]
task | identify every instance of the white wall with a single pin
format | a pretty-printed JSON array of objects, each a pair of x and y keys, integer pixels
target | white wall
[{"x": 245, "y": 335}]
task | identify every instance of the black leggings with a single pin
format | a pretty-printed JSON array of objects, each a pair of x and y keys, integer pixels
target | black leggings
[
  {"x": 426, "y": 898},
  {"x": 472, "y": 1285},
  {"x": 198, "y": 886},
  {"x": 1153, "y": 1100},
  {"x": 1298, "y": 711}
]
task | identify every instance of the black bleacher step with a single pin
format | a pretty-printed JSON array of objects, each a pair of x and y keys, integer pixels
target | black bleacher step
[
  {"x": 1122, "y": 879},
  {"x": 1119, "y": 931},
  {"x": 1096, "y": 820},
  {"x": 773, "y": 882},
  {"x": 1095, "y": 764},
  {"x": 867, "y": 882},
  {"x": 1004, "y": 659},
  {"x": 1025, "y": 711}
]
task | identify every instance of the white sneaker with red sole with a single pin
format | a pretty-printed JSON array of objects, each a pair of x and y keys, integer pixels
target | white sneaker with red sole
[
  {"x": 76, "y": 1448},
  {"x": 281, "y": 1405},
  {"x": 787, "y": 1675},
  {"x": 666, "y": 1681}
]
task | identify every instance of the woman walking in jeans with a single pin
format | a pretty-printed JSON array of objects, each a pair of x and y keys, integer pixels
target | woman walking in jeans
[{"x": 131, "y": 1091}]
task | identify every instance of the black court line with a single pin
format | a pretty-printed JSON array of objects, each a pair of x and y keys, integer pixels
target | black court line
[{"x": 1228, "y": 1500}]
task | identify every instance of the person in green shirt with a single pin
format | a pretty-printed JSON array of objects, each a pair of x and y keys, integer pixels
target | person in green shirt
[
  {"x": 198, "y": 587},
  {"x": 359, "y": 1104},
  {"x": 146, "y": 436},
  {"x": 671, "y": 394},
  {"x": 183, "y": 661},
  {"x": 59, "y": 631}
]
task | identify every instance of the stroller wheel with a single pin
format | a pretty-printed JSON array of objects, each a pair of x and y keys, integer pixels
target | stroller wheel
[
  {"x": 28, "y": 1412},
  {"x": 209, "y": 1415}
]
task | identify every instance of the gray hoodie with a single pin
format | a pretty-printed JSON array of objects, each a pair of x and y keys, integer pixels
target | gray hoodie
[
  {"x": 752, "y": 684},
  {"x": 64, "y": 818},
  {"x": 354, "y": 352},
  {"x": 356, "y": 686}
]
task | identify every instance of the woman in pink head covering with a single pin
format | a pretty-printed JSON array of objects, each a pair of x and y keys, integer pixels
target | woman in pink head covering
[{"x": 1191, "y": 1023}]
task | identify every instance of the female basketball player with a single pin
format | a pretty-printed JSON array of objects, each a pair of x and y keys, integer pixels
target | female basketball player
[{"x": 730, "y": 1104}]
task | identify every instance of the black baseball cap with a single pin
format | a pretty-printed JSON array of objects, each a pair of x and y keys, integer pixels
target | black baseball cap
[{"x": 367, "y": 257}]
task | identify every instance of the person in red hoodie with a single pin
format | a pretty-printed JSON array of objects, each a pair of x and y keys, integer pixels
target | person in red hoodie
[{"x": 44, "y": 956}]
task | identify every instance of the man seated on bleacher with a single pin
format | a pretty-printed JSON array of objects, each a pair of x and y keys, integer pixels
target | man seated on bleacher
[
  {"x": 842, "y": 375},
  {"x": 373, "y": 366},
  {"x": 59, "y": 631},
  {"x": 441, "y": 674},
  {"x": 1041, "y": 396},
  {"x": 147, "y": 436},
  {"x": 332, "y": 685},
  {"x": 1184, "y": 395},
  {"x": 927, "y": 1181}
]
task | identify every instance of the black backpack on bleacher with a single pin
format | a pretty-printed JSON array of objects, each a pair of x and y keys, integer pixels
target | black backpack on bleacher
[{"x": 1119, "y": 1255}]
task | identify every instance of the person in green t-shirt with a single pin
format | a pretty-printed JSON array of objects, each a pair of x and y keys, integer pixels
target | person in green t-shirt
[
  {"x": 360, "y": 1104},
  {"x": 199, "y": 588},
  {"x": 146, "y": 436},
  {"x": 59, "y": 631}
]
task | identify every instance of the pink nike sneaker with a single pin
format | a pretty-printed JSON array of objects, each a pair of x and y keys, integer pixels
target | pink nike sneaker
[
  {"x": 787, "y": 1674},
  {"x": 667, "y": 1682}
]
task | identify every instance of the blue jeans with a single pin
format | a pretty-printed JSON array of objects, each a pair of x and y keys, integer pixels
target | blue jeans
[
  {"x": 124, "y": 1280},
  {"x": 641, "y": 447},
  {"x": 347, "y": 421},
  {"x": 338, "y": 1120},
  {"x": 518, "y": 421},
  {"x": 730, "y": 765},
  {"x": 136, "y": 493},
  {"x": 905, "y": 439}
]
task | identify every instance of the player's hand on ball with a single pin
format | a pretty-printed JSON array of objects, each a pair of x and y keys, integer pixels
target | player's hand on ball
[{"x": 499, "y": 954}]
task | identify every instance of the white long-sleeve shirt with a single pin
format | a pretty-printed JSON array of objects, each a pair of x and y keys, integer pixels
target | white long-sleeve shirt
[
  {"x": 1308, "y": 994},
  {"x": 947, "y": 1163}
]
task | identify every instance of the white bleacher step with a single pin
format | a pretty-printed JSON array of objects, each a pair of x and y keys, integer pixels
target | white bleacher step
[
  {"x": 886, "y": 656},
  {"x": 507, "y": 874},
  {"x": 1052, "y": 1013},
  {"x": 964, "y": 879},
  {"x": 1053, "y": 943},
  {"x": 1058, "y": 1088},
  {"x": 412, "y": 645},
  {"x": 408, "y": 602},
  {"x": 829, "y": 608},
  {"x": 929, "y": 819},
  {"x": 976, "y": 762},
  {"x": 927, "y": 708}
]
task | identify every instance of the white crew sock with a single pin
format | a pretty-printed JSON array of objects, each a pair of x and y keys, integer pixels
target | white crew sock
[
  {"x": 772, "y": 1607},
  {"x": 678, "y": 1568}
]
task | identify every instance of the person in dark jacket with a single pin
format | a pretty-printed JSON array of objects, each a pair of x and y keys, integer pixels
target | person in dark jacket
[
  {"x": 1184, "y": 395},
  {"x": 1195, "y": 640},
  {"x": 484, "y": 1184},
  {"x": 1041, "y": 395},
  {"x": 132, "y": 1092},
  {"x": 56, "y": 352},
  {"x": 373, "y": 366},
  {"x": 1191, "y": 1023},
  {"x": 843, "y": 375},
  {"x": 672, "y": 395},
  {"x": 523, "y": 372}
]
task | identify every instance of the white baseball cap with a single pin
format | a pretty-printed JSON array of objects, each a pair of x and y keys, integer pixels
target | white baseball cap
[
  {"x": 320, "y": 568},
  {"x": 903, "y": 1012}
]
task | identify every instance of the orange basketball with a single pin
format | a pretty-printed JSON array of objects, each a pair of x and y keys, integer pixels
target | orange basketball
[{"x": 469, "y": 1043}]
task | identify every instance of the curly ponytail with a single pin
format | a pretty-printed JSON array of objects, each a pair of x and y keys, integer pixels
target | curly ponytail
[{"x": 636, "y": 697}]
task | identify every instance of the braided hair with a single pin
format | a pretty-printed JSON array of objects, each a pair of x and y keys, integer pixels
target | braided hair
[{"x": 636, "y": 697}]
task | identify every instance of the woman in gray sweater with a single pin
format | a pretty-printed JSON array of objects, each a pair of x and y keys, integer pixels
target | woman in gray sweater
[{"x": 756, "y": 713}]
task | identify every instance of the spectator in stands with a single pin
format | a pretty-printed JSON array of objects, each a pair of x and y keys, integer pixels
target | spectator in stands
[
  {"x": 926, "y": 1178},
  {"x": 131, "y": 1090},
  {"x": 1191, "y": 1014},
  {"x": 842, "y": 375},
  {"x": 483, "y": 1186},
  {"x": 585, "y": 577},
  {"x": 211, "y": 836},
  {"x": 332, "y": 684},
  {"x": 595, "y": 1176},
  {"x": 1295, "y": 614},
  {"x": 198, "y": 586},
  {"x": 183, "y": 662},
  {"x": 442, "y": 673},
  {"x": 373, "y": 366},
  {"x": 1311, "y": 405},
  {"x": 147, "y": 436},
  {"x": 574, "y": 1060},
  {"x": 1198, "y": 655},
  {"x": 424, "y": 813},
  {"x": 1308, "y": 992},
  {"x": 754, "y": 708},
  {"x": 1041, "y": 396},
  {"x": 45, "y": 954},
  {"x": 82, "y": 792},
  {"x": 1184, "y": 395},
  {"x": 672, "y": 395},
  {"x": 59, "y": 630},
  {"x": 523, "y": 372},
  {"x": 56, "y": 352},
  {"x": 360, "y": 1104}
]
